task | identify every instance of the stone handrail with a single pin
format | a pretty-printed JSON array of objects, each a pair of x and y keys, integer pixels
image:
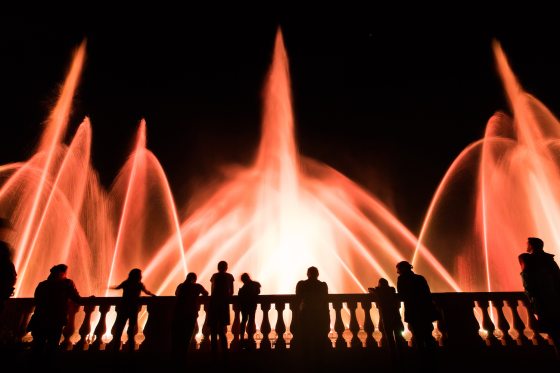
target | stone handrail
[{"x": 473, "y": 320}]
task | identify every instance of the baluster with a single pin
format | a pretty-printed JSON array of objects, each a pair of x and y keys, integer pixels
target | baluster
[
  {"x": 503, "y": 324},
  {"x": 533, "y": 324},
  {"x": 70, "y": 327},
  {"x": 442, "y": 327},
  {"x": 235, "y": 327},
  {"x": 25, "y": 309},
  {"x": 85, "y": 328},
  {"x": 193, "y": 344},
  {"x": 487, "y": 323},
  {"x": 369, "y": 328},
  {"x": 280, "y": 327},
  {"x": 101, "y": 327},
  {"x": 339, "y": 326},
  {"x": 354, "y": 326},
  {"x": 265, "y": 326},
  {"x": 205, "y": 343},
  {"x": 518, "y": 324}
]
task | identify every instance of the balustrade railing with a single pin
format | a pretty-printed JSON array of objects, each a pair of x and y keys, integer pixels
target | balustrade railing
[{"x": 472, "y": 320}]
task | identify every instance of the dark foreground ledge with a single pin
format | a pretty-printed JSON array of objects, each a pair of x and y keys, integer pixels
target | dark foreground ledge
[
  {"x": 477, "y": 332},
  {"x": 445, "y": 360}
]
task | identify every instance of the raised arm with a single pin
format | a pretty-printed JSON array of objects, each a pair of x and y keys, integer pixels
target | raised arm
[
  {"x": 117, "y": 287},
  {"x": 146, "y": 291}
]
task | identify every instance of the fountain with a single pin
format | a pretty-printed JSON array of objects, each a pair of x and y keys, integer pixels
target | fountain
[
  {"x": 498, "y": 191},
  {"x": 280, "y": 214}
]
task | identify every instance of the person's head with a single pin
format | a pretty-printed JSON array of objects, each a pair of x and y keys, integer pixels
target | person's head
[
  {"x": 404, "y": 267},
  {"x": 312, "y": 273},
  {"x": 245, "y": 278},
  {"x": 191, "y": 278},
  {"x": 383, "y": 282},
  {"x": 222, "y": 266},
  {"x": 135, "y": 274},
  {"x": 534, "y": 244},
  {"x": 58, "y": 271}
]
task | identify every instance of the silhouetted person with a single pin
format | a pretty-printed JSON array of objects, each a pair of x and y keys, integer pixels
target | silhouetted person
[
  {"x": 419, "y": 309},
  {"x": 313, "y": 316},
  {"x": 541, "y": 280},
  {"x": 52, "y": 298},
  {"x": 128, "y": 308},
  {"x": 8, "y": 273},
  {"x": 186, "y": 313},
  {"x": 218, "y": 309},
  {"x": 390, "y": 322},
  {"x": 247, "y": 297}
]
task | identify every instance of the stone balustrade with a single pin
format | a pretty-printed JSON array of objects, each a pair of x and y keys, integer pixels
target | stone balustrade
[{"x": 468, "y": 320}]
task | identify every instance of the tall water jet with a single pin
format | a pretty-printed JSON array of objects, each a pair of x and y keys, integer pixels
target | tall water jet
[
  {"x": 273, "y": 219},
  {"x": 499, "y": 191},
  {"x": 287, "y": 212},
  {"x": 62, "y": 214},
  {"x": 145, "y": 217}
]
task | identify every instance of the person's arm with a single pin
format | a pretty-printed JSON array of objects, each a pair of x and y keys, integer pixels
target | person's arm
[
  {"x": 426, "y": 286},
  {"x": 38, "y": 294},
  {"x": 401, "y": 288},
  {"x": 146, "y": 291},
  {"x": 528, "y": 284},
  {"x": 230, "y": 287},
  {"x": 298, "y": 289},
  {"x": 212, "y": 283},
  {"x": 117, "y": 287},
  {"x": 203, "y": 291},
  {"x": 73, "y": 292}
]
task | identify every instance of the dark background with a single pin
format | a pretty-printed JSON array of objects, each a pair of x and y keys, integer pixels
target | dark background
[{"x": 387, "y": 97}]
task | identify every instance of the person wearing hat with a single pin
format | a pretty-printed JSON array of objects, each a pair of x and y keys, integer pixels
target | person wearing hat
[{"x": 419, "y": 309}]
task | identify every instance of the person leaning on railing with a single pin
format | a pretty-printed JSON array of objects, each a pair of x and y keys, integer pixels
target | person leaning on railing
[
  {"x": 541, "y": 280},
  {"x": 52, "y": 298}
]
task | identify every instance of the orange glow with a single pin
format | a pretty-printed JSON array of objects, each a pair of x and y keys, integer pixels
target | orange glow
[
  {"x": 284, "y": 212},
  {"x": 499, "y": 191}
]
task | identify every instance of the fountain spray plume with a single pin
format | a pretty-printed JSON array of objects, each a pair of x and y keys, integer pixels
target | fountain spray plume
[
  {"x": 273, "y": 218},
  {"x": 287, "y": 212},
  {"x": 498, "y": 191}
]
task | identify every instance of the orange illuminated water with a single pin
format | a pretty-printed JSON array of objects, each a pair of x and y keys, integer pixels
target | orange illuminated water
[
  {"x": 284, "y": 212},
  {"x": 499, "y": 191}
]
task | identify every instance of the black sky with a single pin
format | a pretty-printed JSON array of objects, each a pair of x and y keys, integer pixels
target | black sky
[{"x": 389, "y": 98}]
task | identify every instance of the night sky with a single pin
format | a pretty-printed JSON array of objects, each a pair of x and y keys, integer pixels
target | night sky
[{"x": 388, "y": 98}]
